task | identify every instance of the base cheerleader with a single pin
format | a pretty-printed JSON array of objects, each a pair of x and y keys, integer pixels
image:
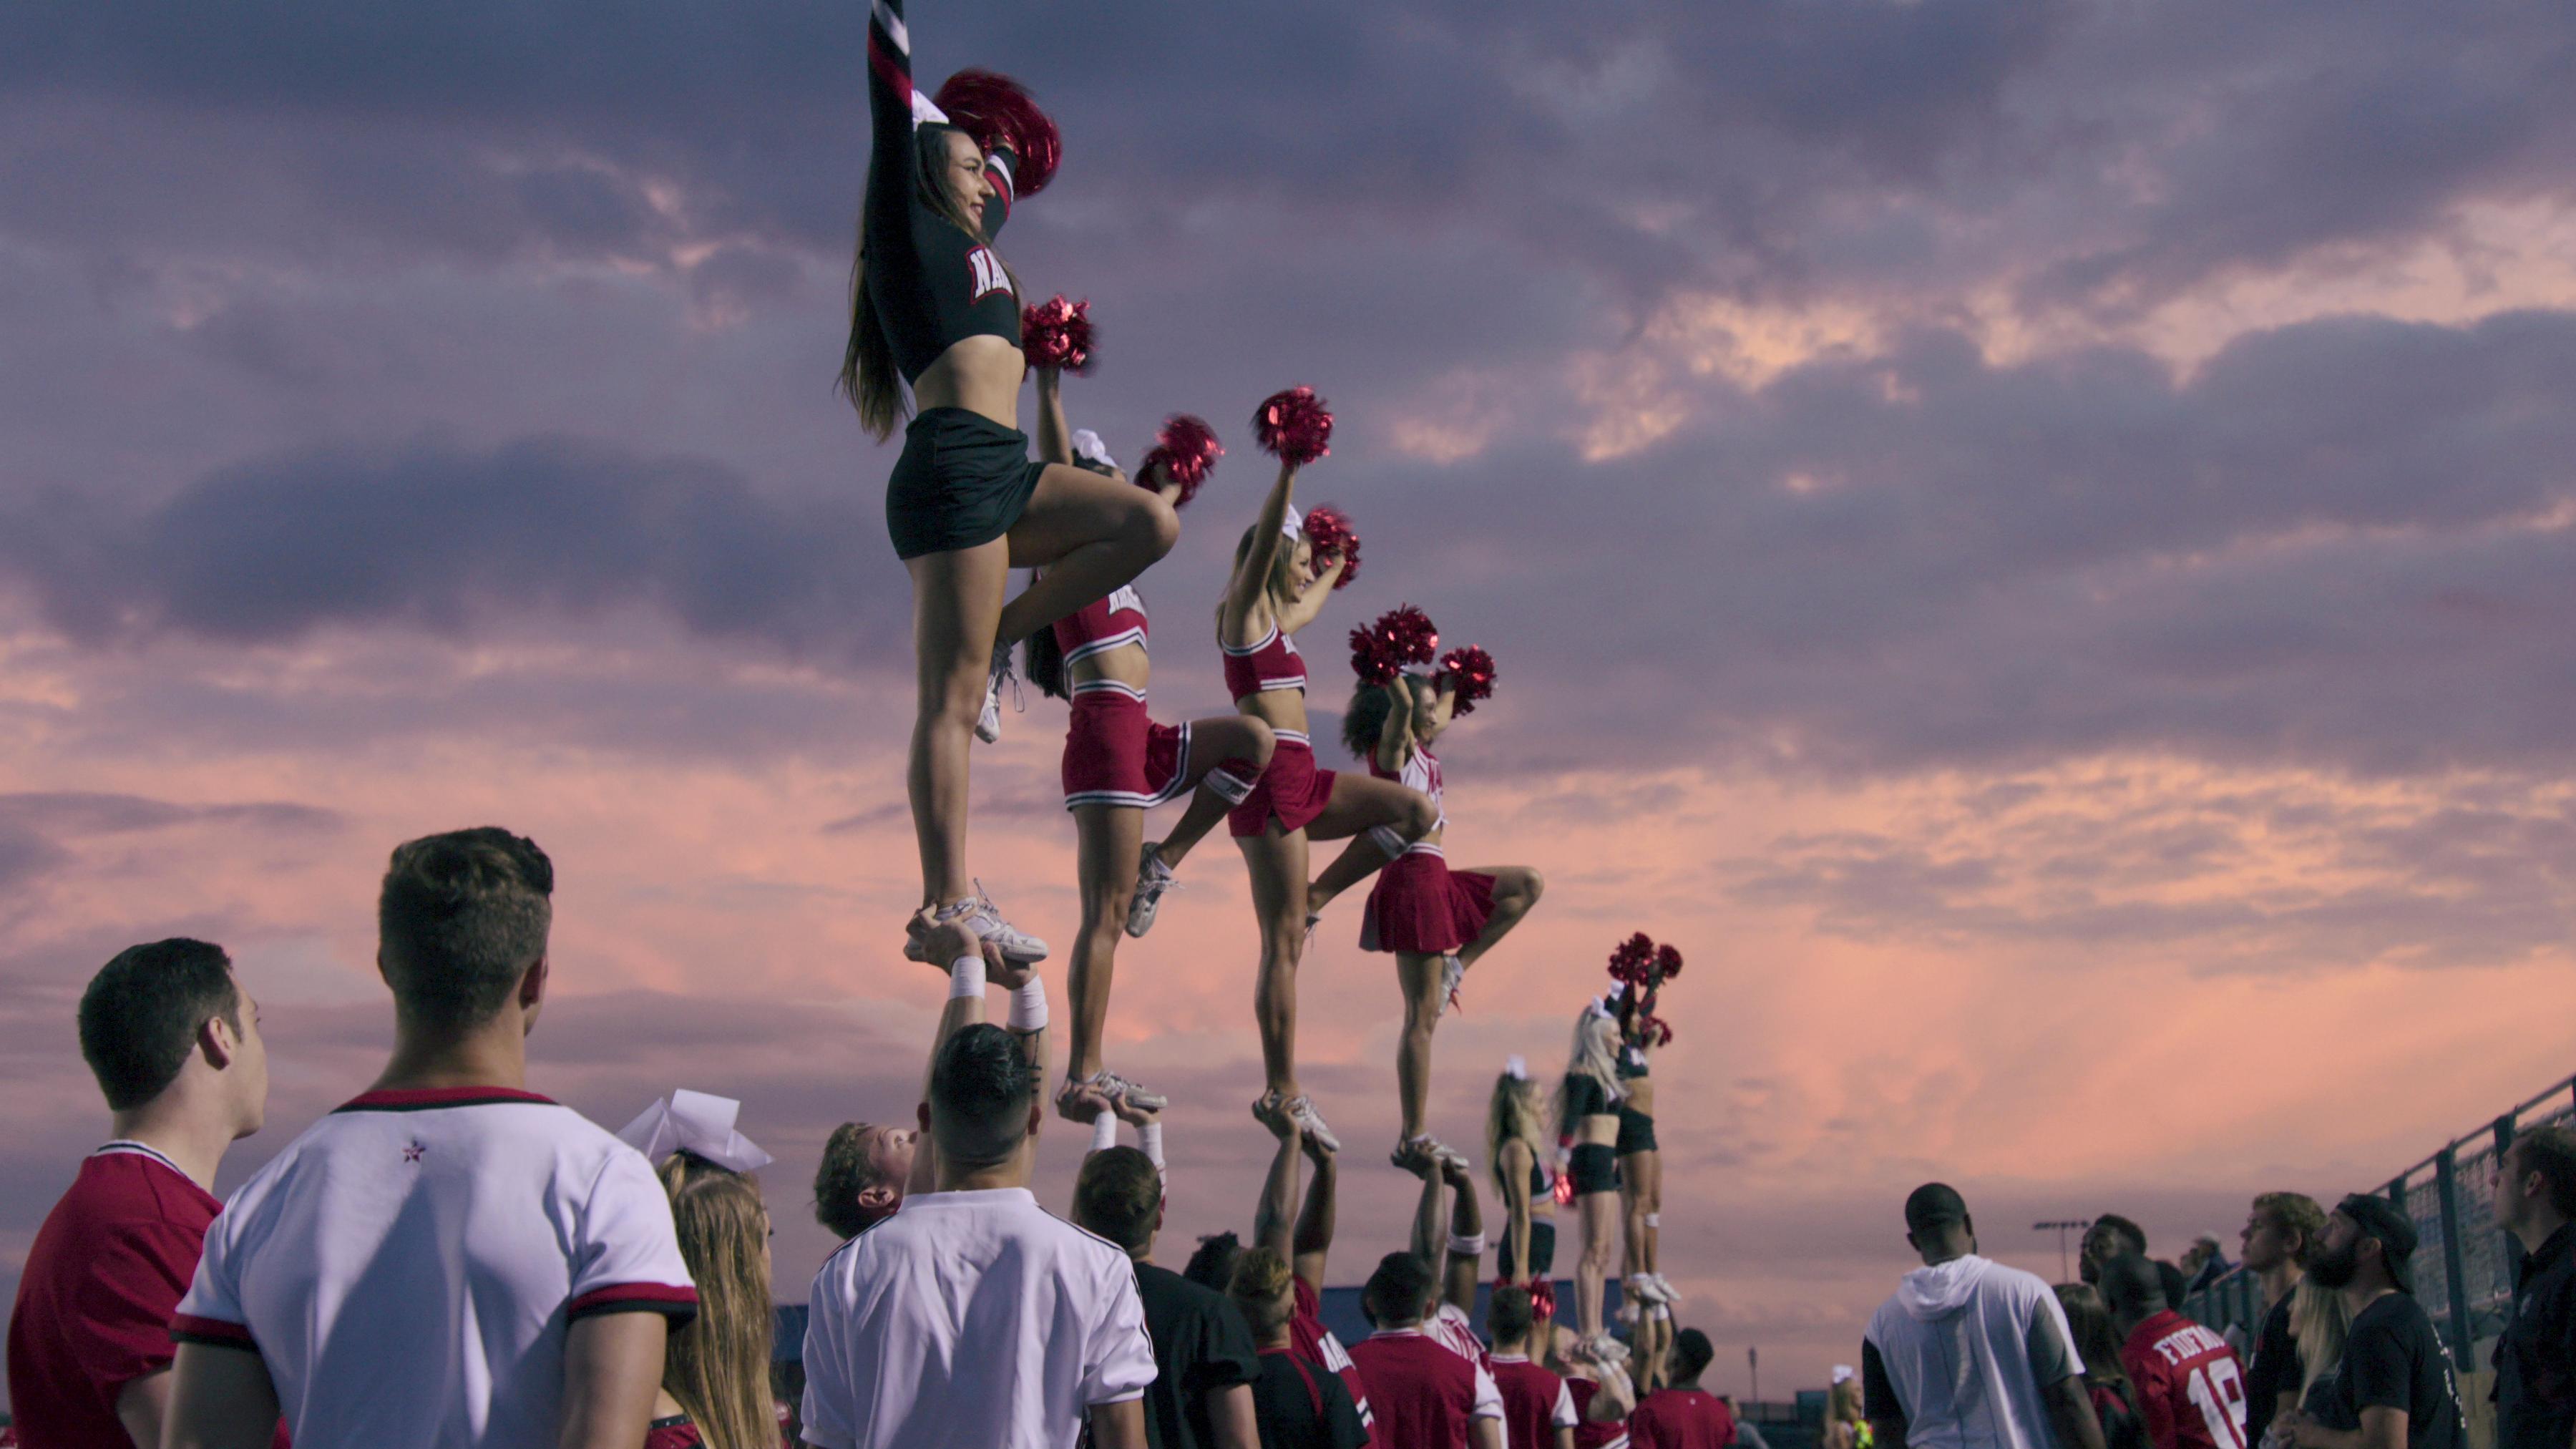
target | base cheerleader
[{"x": 1587, "y": 1113}]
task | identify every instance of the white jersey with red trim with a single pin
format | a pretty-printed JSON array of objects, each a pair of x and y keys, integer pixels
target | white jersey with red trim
[{"x": 409, "y": 1266}]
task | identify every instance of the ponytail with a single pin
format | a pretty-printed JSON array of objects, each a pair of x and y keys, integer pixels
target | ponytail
[{"x": 1043, "y": 663}]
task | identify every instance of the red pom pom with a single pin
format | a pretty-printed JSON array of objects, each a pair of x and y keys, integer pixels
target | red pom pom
[
  {"x": 1057, "y": 333},
  {"x": 1470, "y": 672},
  {"x": 1186, "y": 449},
  {"x": 1668, "y": 963},
  {"x": 1656, "y": 1030},
  {"x": 1294, "y": 426},
  {"x": 1633, "y": 959},
  {"x": 1001, "y": 115},
  {"x": 1329, "y": 532},
  {"x": 1370, "y": 659},
  {"x": 1411, "y": 637}
]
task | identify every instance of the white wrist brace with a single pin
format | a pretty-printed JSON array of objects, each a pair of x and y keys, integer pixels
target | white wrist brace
[
  {"x": 966, "y": 976},
  {"x": 1104, "y": 1132},
  {"x": 1029, "y": 1006},
  {"x": 1150, "y": 1137},
  {"x": 1467, "y": 1247}
]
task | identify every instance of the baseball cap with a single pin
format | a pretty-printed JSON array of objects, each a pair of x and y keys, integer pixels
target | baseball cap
[{"x": 2379, "y": 1218}]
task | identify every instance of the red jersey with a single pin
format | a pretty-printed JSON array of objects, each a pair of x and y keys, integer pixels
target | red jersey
[
  {"x": 1103, "y": 625},
  {"x": 1422, "y": 1392},
  {"x": 1271, "y": 664},
  {"x": 1536, "y": 1403},
  {"x": 102, "y": 1278},
  {"x": 2191, "y": 1386},
  {"x": 1315, "y": 1344},
  {"x": 1448, "y": 1326},
  {"x": 1610, "y": 1434},
  {"x": 1682, "y": 1419}
]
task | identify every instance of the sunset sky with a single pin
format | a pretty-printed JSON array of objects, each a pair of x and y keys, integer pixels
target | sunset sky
[{"x": 2034, "y": 541}]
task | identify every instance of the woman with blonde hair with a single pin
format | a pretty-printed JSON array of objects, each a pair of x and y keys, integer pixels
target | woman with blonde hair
[
  {"x": 715, "y": 1371},
  {"x": 1587, "y": 1115},
  {"x": 2319, "y": 1323},
  {"x": 1846, "y": 1425},
  {"x": 1516, "y": 1153}
]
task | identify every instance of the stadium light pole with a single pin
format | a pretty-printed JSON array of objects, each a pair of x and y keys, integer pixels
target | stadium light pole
[{"x": 2065, "y": 1274}]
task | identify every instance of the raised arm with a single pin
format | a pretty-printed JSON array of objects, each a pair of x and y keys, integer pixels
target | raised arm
[
  {"x": 956, "y": 945},
  {"x": 891, "y": 113},
  {"x": 1466, "y": 1258},
  {"x": 1301, "y": 611},
  {"x": 1269, "y": 535},
  {"x": 1436, "y": 701},
  {"x": 1430, "y": 1231},
  {"x": 1395, "y": 741},
  {"x": 1055, "y": 440},
  {"x": 1272, "y": 1224},
  {"x": 1315, "y": 1222}
]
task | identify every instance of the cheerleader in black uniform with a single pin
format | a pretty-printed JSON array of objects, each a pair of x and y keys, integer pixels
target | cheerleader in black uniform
[{"x": 935, "y": 307}]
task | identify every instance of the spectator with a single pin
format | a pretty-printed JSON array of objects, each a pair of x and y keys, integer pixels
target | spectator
[
  {"x": 1746, "y": 1436},
  {"x": 2112, "y": 1235},
  {"x": 974, "y": 1317},
  {"x": 449, "y": 1258},
  {"x": 1846, "y": 1426},
  {"x": 1425, "y": 1395},
  {"x": 2535, "y": 1357},
  {"x": 1603, "y": 1393},
  {"x": 715, "y": 1377},
  {"x": 174, "y": 1043},
  {"x": 1684, "y": 1416},
  {"x": 1538, "y": 1409},
  {"x": 2106, "y": 1383},
  {"x": 2280, "y": 1231},
  {"x": 2203, "y": 1263},
  {"x": 2394, "y": 1385},
  {"x": 1204, "y": 1362},
  {"x": 1969, "y": 1352},
  {"x": 1296, "y": 1403},
  {"x": 2319, "y": 1323},
  {"x": 2190, "y": 1387}
]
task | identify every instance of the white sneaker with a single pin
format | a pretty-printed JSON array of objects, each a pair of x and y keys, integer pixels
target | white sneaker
[
  {"x": 988, "y": 722},
  {"x": 1152, "y": 879},
  {"x": 1643, "y": 1288},
  {"x": 1119, "y": 1089},
  {"x": 1664, "y": 1285},
  {"x": 1628, "y": 1314},
  {"x": 1453, "y": 973},
  {"x": 1301, "y": 1110},
  {"x": 986, "y": 918}
]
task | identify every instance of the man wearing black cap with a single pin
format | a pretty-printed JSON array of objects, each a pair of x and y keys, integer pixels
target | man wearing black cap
[{"x": 2395, "y": 1383}]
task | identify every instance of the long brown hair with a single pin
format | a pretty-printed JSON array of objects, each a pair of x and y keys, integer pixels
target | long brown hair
[
  {"x": 870, "y": 378},
  {"x": 717, "y": 1365},
  {"x": 2097, "y": 1340}
]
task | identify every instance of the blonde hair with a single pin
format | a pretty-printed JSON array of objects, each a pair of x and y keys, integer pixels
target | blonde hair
[
  {"x": 2319, "y": 1322},
  {"x": 1513, "y": 1116},
  {"x": 1595, "y": 1055},
  {"x": 1260, "y": 1287},
  {"x": 717, "y": 1365}
]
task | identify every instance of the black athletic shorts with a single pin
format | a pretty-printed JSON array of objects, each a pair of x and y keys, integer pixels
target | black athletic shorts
[
  {"x": 1636, "y": 1131},
  {"x": 963, "y": 480},
  {"x": 1542, "y": 1248},
  {"x": 1596, "y": 1168}
]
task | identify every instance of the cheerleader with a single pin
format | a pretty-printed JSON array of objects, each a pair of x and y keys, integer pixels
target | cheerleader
[
  {"x": 1435, "y": 921},
  {"x": 1278, "y": 587},
  {"x": 1117, "y": 759},
  {"x": 935, "y": 307},
  {"x": 1641, "y": 1163},
  {"x": 1587, "y": 1114},
  {"x": 1516, "y": 1154}
]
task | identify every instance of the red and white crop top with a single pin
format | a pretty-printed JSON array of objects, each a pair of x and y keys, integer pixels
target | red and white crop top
[
  {"x": 1422, "y": 772},
  {"x": 1271, "y": 664},
  {"x": 1102, "y": 625}
]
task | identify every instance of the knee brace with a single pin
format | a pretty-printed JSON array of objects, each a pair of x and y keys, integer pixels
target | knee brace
[
  {"x": 1654, "y": 1220},
  {"x": 1388, "y": 839},
  {"x": 1231, "y": 781}
]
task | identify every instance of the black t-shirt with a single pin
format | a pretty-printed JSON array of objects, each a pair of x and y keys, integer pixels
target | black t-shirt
[
  {"x": 2535, "y": 1356},
  {"x": 1301, "y": 1406},
  {"x": 1200, "y": 1343},
  {"x": 2393, "y": 1359},
  {"x": 2273, "y": 1371}
]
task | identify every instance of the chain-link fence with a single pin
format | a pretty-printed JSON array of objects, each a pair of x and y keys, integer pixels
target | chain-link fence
[{"x": 2463, "y": 1263}]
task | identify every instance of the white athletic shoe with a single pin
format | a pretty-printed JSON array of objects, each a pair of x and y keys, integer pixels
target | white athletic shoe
[
  {"x": 1119, "y": 1089},
  {"x": 1453, "y": 974},
  {"x": 1301, "y": 1110},
  {"x": 1628, "y": 1314},
  {"x": 986, "y": 918},
  {"x": 1642, "y": 1289},
  {"x": 1152, "y": 879},
  {"x": 1672, "y": 1295},
  {"x": 988, "y": 722}
]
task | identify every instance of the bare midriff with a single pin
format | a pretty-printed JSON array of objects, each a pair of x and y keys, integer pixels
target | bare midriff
[
  {"x": 1128, "y": 664},
  {"x": 980, "y": 374}
]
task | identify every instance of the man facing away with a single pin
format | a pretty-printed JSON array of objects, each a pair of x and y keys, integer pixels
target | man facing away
[
  {"x": 2190, "y": 1388},
  {"x": 973, "y": 1317},
  {"x": 1970, "y": 1354},
  {"x": 174, "y": 1042},
  {"x": 1204, "y": 1358},
  {"x": 2394, "y": 1388},
  {"x": 2280, "y": 1231},
  {"x": 1425, "y": 1394},
  {"x": 1683, "y": 1415},
  {"x": 1538, "y": 1408},
  {"x": 448, "y": 1258},
  {"x": 2535, "y": 1356}
]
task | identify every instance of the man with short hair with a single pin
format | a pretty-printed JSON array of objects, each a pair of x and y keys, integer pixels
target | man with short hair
[
  {"x": 2189, "y": 1387},
  {"x": 2280, "y": 1231},
  {"x": 2535, "y": 1356},
  {"x": 1425, "y": 1395},
  {"x": 448, "y": 1258},
  {"x": 973, "y": 1317},
  {"x": 2203, "y": 1263},
  {"x": 1538, "y": 1409},
  {"x": 1204, "y": 1359},
  {"x": 2395, "y": 1378},
  {"x": 2112, "y": 1235},
  {"x": 1746, "y": 1435},
  {"x": 174, "y": 1042},
  {"x": 1970, "y": 1354},
  {"x": 1682, "y": 1415},
  {"x": 1459, "y": 1249},
  {"x": 1303, "y": 1234},
  {"x": 1603, "y": 1393}
]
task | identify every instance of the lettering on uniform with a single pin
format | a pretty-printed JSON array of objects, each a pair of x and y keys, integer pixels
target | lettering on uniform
[{"x": 989, "y": 276}]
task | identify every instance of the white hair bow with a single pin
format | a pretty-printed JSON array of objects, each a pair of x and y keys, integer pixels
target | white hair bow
[
  {"x": 1516, "y": 1067},
  {"x": 1087, "y": 444},
  {"x": 925, "y": 112},
  {"x": 695, "y": 1122},
  {"x": 1294, "y": 523},
  {"x": 1601, "y": 1008},
  {"x": 1842, "y": 1373}
]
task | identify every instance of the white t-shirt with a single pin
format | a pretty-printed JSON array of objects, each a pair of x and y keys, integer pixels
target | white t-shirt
[
  {"x": 973, "y": 1319},
  {"x": 407, "y": 1268},
  {"x": 1966, "y": 1346}
]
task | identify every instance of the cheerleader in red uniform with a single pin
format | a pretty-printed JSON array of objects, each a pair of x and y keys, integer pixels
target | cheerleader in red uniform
[
  {"x": 1280, "y": 582},
  {"x": 1117, "y": 759},
  {"x": 1437, "y": 922}
]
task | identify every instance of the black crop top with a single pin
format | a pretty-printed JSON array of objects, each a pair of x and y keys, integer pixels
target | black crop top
[
  {"x": 1632, "y": 1061},
  {"x": 932, "y": 283},
  {"x": 1584, "y": 1097}
]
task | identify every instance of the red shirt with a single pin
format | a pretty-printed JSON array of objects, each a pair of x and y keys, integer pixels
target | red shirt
[
  {"x": 102, "y": 1278},
  {"x": 2191, "y": 1386},
  {"x": 1682, "y": 1419},
  {"x": 1610, "y": 1434},
  {"x": 1315, "y": 1344},
  {"x": 1536, "y": 1403},
  {"x": 1422, "y": 1392}
]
